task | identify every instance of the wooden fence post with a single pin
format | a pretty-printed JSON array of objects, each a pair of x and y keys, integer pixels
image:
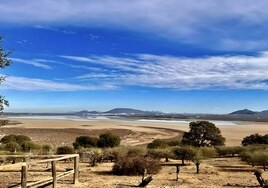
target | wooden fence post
[
  {"x": 24, "y": 176},
  {"x": 76, "y": 169},
  {"x": 177, "y": 172},
  {"x": 54, "y": 173}
]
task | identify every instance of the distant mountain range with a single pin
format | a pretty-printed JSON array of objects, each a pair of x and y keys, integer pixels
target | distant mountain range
[
  {"x": 239, "y": 115},
  {"x": 119, "y": 111}
]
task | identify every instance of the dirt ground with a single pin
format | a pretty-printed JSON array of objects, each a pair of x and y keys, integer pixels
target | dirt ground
[{"x": 218, "y": 172}]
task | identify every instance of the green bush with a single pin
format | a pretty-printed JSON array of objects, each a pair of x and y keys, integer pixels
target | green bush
[
  {"x": 183, "y": 153},
  {"x": 86, "y": 142},
  {"x": 229, "y": 150},
  {"x": 157, "y": 143},
  {"x": 46, "y": 148},
  {"x": 65, "y": 150},
  {"x": 136, "y": 165},
  {"x": 208, "y": 152},
  {"x": 19, "y": 139},
  {"x": 161, "y": 153},
  {"x": 92, "y": 155},
  {"x": 108, "y": 140},
  {"x": 255, "y": 139},
  {"x": 29, "y": 145},
  {"x": 12, "y": 146}
]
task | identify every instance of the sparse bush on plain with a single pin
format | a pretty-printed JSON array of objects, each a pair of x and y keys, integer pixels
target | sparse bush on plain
[
  {"x": 156, "y": 144},
  {"x": 136, "y": 165},
  {"x": 160, "y": 144},
  {"x": 19, "y": 139},
  {"x": 92, "y": 155},
  {"x": 161, "y": 153},
  {"x": 65, "y": 150},
  {"x": 12, "y": 146},
  {"x": 29, "y": 145},
  {"x": 86, "y": 142},
  {"x": 229, "y": 150},
  {"x": 46, "y": 148},
  {"x": 108, "y": 140}
]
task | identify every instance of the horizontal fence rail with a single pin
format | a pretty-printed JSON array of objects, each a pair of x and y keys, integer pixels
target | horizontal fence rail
[{"x": 23, "y": 166}]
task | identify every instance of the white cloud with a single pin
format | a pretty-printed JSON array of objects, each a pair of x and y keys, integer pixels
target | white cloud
[
  {"x": 189, "y": 21},
  {"x": 34, "y": 62},
  {"x": 212, "y": 72},
  {"x": 32, "y": 84}
]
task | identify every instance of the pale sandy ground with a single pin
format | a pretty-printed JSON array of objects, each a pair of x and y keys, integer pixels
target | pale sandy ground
[{"x": 233, "y": 133}]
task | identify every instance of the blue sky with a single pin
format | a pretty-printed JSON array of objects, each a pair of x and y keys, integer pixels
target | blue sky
[{"x": 174, "y": 56}]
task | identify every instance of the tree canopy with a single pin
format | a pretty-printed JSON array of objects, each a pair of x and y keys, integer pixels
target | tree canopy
[
  {"x": 255, "y": 139},
  {"x": 4, "y": 62},
  {"x": 203, "y": 133}
]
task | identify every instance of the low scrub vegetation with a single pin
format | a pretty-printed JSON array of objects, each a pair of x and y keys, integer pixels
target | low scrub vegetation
[
  {"x": 106, "y": 140},
  {"x": 136, "y": 165}
]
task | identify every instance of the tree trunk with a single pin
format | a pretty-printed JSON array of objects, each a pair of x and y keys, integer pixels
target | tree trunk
[
  {"x": 146, "y": 181},
  {"x": 166, "y": 159},
  {"x": 197, "y": 168},
  {"x": 177, "y": 172},
  {"x": 264, "y": 167},
  {"x": 182, "y": 162}
]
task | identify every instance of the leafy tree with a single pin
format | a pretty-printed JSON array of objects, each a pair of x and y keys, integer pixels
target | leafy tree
[
  {"x": 85, "y": 141},
  {"x": 12, "y": 146},
  {"x": 29, "y": 145},
  {"x": 19, "y": 139},
  {"x": 184, "y": 153},
  {"x": 4, "y": 62},
  {"x": 255, "y": 139},
  {"x": 203, "y": 133},
  {"x": 108, "y": 140}
]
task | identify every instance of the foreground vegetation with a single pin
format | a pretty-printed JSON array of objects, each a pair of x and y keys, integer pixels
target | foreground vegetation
[{"x": 149, "y": 160}]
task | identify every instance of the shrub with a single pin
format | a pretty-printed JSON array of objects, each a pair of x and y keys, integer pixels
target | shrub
[
  {"x": 108, "y": 140},
  {"x": 85, "y": 141},
  {"x": 136, "y": 165},
  {"x": 12, "y": 146},
  {"x": 135, "y": 151},
  {"x": 65, "y": 150},
  {"x": 229, "y": 150},
  {"x": 208, "y": 152},
  {"x": 46, "y": 148},
  {"x": 160, "y": 154},
  {"x": 157, "y": 143},
  {"x": 93, "y": 155},
  {"x": 19, "y": 139},
  {"x": 29, "y": 145}
]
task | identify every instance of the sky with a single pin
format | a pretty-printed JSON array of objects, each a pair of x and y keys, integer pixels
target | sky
[{"x": 176, "y": 56}]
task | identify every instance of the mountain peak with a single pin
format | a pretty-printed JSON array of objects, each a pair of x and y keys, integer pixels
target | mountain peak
[{"x": 243, "y": 112}]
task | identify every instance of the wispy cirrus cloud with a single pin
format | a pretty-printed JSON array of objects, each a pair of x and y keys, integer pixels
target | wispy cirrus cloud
[
  {"x": 34, "y": 62},
  {"x": 182, "y": 73},
  {"x": 203, "y": 22},
  {"x": 33, "y": 84}
]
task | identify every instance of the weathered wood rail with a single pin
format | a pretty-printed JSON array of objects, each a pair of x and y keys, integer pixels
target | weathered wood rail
[{"x": 54, "y": 176}]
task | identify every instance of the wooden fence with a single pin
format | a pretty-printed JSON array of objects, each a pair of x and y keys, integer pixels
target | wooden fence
[{"x": 54, "y": 176}]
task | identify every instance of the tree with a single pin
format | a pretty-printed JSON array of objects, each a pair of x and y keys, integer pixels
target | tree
[
  {"x": 255, "y": 139},
  {"x": 108, "y": 140},
  {"x": 203, "y": 133},
  {"x": 184, "y": 153},
  {"x": 4, "y": 62}
]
